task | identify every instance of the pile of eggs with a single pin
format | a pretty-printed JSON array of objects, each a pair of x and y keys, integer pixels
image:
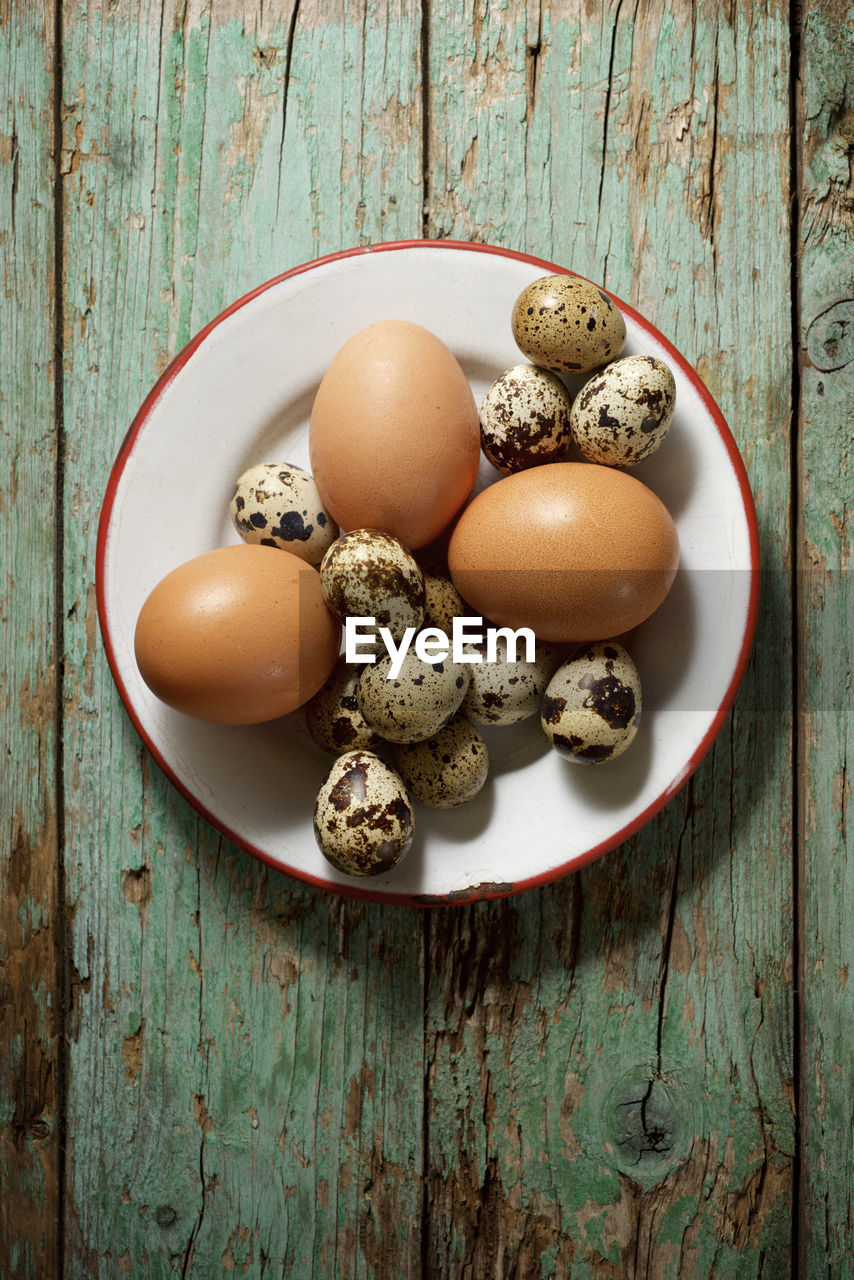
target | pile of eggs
[{"x": 579, "y": 553}]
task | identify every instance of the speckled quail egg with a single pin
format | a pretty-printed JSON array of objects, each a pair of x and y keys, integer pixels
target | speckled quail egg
[
  {"x": 624, "y": 412},
  {"x": 333, "y": 716},
  {"x": 363, "y": 818},
  {"x": 421, "y": 699},
  {"x": 442, "y": 603},
  {"x": 566, "y": 324},
  {"x": 446, "y": 769},
  {"x": 507, "y": 691},
  {"x": 524, "y": 419},
  {"x": 592, "y": 705},
  {"x": 370, "y": 574},
  {"x": 278, "y": 505}
]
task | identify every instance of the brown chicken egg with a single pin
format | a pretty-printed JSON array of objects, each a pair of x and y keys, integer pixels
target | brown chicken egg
[
  {"x": 394, "y": 436},
  {"x": 574, "y": 551},
  {"x": 237, "y": 635}
]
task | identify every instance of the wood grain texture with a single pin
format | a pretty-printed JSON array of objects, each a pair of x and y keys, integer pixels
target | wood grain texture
[
  {"x": 29, "y": 906},
  {"x": 646, "y": 148},
  {"x": 826, "y": 259},
  {"x": 254, "y": 1049},
  {"x": 597, "y": 1079}
]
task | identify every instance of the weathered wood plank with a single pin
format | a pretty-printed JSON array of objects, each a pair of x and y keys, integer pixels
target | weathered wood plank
[
  {"x": 30, "y": 1139},
  {"x": 256, "y": 1049},
  {"x": 519, "y": 990},
  {"x": 826, "y": 261},
  {"x": 647, "y": 149}
]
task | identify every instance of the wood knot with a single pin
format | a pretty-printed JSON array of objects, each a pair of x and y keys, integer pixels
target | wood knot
[
  {"x": 647, "y": 1126},
  {"x": 165, "y": 1215},
  {"x": 830, "y": 337}
]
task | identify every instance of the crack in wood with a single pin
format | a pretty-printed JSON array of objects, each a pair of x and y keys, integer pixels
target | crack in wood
[
  {"x": 797, "y": 602},
  {"x": 533, "y": 52},
  {"x": 15, "y": 163},
  {"x": 711, "y": 204},
  {"x": 286, "y": 84},
  {"x": 664, "y": 969},
  {"x": 607, "y": 112},
  {"x": 200, "y": 1110},
  {"x": 426, "y": 121}
]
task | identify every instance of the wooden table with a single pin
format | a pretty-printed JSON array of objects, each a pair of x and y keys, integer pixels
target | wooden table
[{"x": 206, "y": 1067}]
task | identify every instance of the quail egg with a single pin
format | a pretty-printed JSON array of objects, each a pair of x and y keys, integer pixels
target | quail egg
[
  {"x": 592, "y": 705},
  {"x": 333, "y": 717},
  {"x": 278, "y": 505},
  {"x": 624, "y": 412},
  {"x": 567, "y": 325},
  {"x": 363, "y": 818},
  {"x": 524, "y": 419},
  {"x": 442, "y": 603},
  {"x": 507, "y": 691},
  {"x": 411, "y": 706},
  {"x": 370, "y": 574},
  {"x": 447, "y": 769}
]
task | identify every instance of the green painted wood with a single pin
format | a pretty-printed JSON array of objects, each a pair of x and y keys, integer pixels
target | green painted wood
[
  {"x": 251, "y": 1087},
  {"x": 245, "y": 1054},
  {"x": 29, "y": 908},
  {"x": 826, "y": 257},
  {"x": 647, "y": 149}
]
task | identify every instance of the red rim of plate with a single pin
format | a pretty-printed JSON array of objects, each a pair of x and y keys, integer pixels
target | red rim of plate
[{"x": 474, "y": 892}]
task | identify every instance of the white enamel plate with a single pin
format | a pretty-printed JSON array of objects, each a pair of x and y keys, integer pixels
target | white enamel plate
[{"x": 241, "y": 392}]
